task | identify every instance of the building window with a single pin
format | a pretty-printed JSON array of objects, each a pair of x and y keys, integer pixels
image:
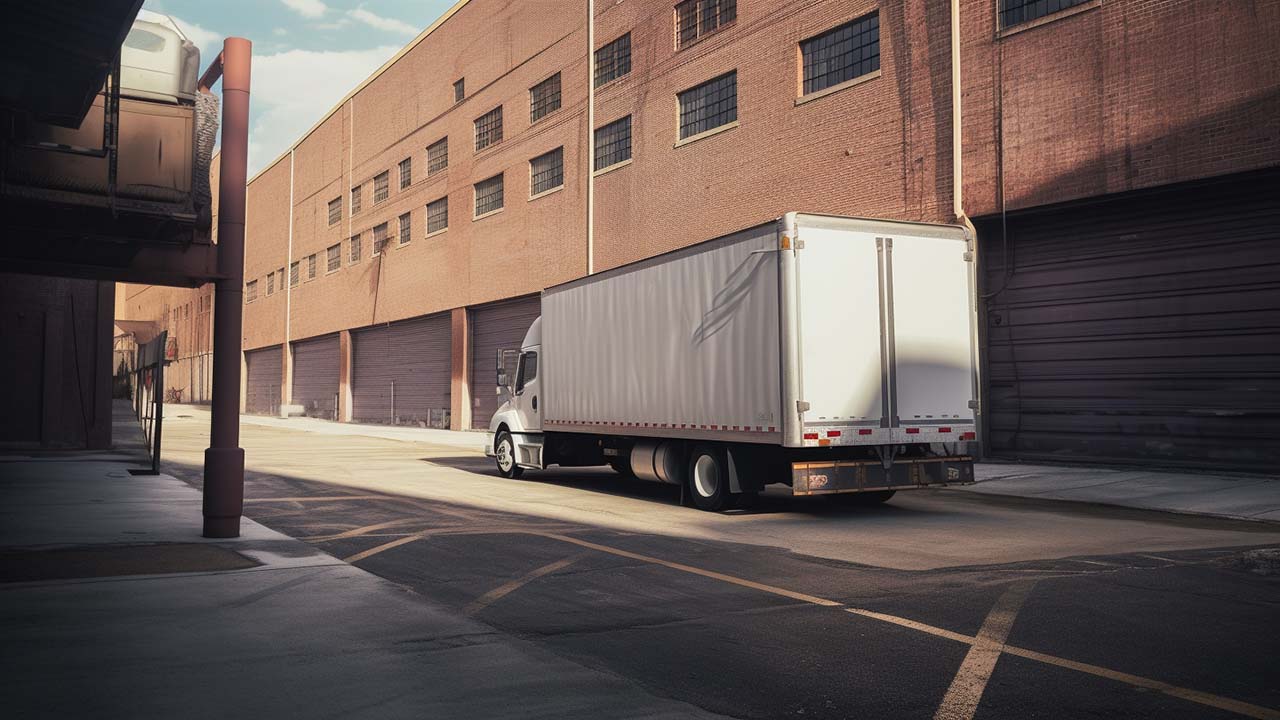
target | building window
[
  {"x": 709, "y": 105},
  {"x": 271, "y": 283},
  {"x": 353, "y": 256},
  {"x": 459, "y": 89},
  {"x": 355, "y": 199},
  {"x": 333, "y": 257},
  {"x": 696, "y": 18},
  {"x": 280, "y": 278},
  {"x": 544, "y": 98},
  {"x": 438, "y": 215},
  {"x": 847, "y": 52},
  {"x": 489, "y": 195},
  {"x": 250, "y": 294},
  {"x": 613, "y": 60},
  {"x": 406, "y": 173},
  {"x": 1014, "y": 12},
  {"x": 293, "y": 274},
  {"x": 437, "y": 156},
  {"x": 613, "y": 143},
  {"x": 405, "y": 234},
  {"x": 335, "y": 210},
  {"x": 546, "y": 172},
  {"x": 489, "y": 128},
  {"x": 381, "y": 186},
  {"x": 379, "y": 239},
  {"x": 311, "y": 266}
]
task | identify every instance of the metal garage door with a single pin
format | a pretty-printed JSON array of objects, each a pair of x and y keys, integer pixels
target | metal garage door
[
  {"x": 495, "y": 327},
  {"x": 401, "y": 372},
  {"x": 262, "y": 381},
  {"x": 315, "y": 376},
  {"x": 1138, "y": 330}
]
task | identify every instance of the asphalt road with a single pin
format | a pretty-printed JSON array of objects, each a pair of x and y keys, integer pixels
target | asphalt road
[{"x": 940, "y": 604}]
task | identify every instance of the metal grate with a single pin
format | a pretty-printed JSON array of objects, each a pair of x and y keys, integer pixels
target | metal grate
[
  {"x": 437, "y": 156},
  {"x": 613, "y": 60},
  {"x": 355, "y": 199},
  {"x": 696, "y": 18},
  {"x": 333, "y": 257},
  {"x": 405, "y": 225},
  {"x": 335, "y": 210},
  {"x": 613, "y": 143},
  {"x": 489, "y": 128},
  {"x": 438, "y": 215},
  {"x": 842, "y": 54},
  {"x": 379, "y": 239},
  {"x": 406, "y": 173},
  {"x": 489, "y": 195},
  {"x": 546, "y": 172},
  {"x": 381, "y": 186},
  {"x": 709, "y": 105},
  {"x": 1013, "y": 12},
  {"x": 353, "y": 255},
  {"x": 544, "y": 98}
]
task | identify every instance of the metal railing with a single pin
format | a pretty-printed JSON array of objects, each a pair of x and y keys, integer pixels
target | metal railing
[{"x": 148, "y": 394}]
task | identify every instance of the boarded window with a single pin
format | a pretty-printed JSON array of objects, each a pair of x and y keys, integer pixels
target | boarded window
[
  {"x": 546, "y": 172},
  {"x": 489, "y": 128},
  {"x": 696, "y": 18},
  {"x": 613, "y": 143},
  {"x": 335, "y": 210},
  {"x": 437, "y": 215},
  {"x": 613, "y": 60},
  {"x": 353, "y": 250},
  {"x": 842, "y": 54},
  {"x": 406, "y": 173},
  {"x": 381, "y": 187},
  {"x": 544, "y": 98},
  {"x": 709, "y": 105},
  {"x": 437, "y": 156},
  {"x": 333, "y": 257},
  {"x": 405, "y": 234},
  {"x": 380, "y": 239},
  {"x": 355, "y": 199},
  {"x": 489, "y": 195}
]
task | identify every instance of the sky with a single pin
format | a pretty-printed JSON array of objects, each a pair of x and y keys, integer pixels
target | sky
[{"x": 307, "y": 54}]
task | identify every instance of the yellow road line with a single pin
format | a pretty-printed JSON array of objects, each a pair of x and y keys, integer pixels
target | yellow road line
[
  {"x": 357, "y": 532},
  {"x": 961, "y": 699},
  {"x": 384, "y": 547},
  {"x": 912, "y": 624},
  {"x": 503, "y": 590}
]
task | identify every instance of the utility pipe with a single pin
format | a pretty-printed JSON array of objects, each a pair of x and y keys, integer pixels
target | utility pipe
[{"x": 591, "y": 136}]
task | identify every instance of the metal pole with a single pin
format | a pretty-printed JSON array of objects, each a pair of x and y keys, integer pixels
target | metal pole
[
  {"x": 159, "y": 409},
  {"x": 224, "y": 460}
]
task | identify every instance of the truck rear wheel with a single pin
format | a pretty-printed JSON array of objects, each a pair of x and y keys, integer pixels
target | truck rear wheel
[
  {"x": 504, "y": 451},
  {"x": 708, "y": 478}
]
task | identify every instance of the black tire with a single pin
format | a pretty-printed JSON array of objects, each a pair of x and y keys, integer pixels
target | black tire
[
  {"x": 707, "y": 480},
  {"x": 504, "y": 448},
  {"x": 862, "y": 499}
]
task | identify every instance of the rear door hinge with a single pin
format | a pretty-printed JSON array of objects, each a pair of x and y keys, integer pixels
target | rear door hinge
[{"x": 975, "y": 406}]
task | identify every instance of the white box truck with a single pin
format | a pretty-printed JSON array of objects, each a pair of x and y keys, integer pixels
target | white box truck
[{"x": 833, "y": 354}]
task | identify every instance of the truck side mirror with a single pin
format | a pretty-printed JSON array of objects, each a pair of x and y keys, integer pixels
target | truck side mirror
[{"x": 502, "y": 379}]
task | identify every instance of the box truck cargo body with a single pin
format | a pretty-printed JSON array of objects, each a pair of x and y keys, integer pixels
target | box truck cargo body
[{"x": 833, "y": 354}]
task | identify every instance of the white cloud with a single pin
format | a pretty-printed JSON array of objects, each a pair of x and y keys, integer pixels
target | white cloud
[
  {"x": 292, "y": 90},
  {"x": 307, "y": 8},
  {"x": 382, "y": 23},
  {"x": 335, "y": 25},
  {"x": 278, "y": 32}
]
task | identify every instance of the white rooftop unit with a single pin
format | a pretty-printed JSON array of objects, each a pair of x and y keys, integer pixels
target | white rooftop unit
[{"x": 158, "y": 62}]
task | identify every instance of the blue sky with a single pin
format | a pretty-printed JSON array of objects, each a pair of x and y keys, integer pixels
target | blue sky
[{"x": 307, "y": 54}]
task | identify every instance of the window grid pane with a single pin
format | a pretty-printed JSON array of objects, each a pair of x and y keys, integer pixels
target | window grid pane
[
  {"x": 613, "y": 60},
  {"x": 355, "y": 199},
  {"x": 847, "y": 52},
  {"x": 333, "y": 258},
  {"x": 696, "y": 18},
  {"x": 381, "y": 187},
  {"x": 489, "y": 195},
  {"x": 1013, "y": 12},
  {"x": 380, "y": 239},
  {"x": 335, "y": 210},
  {"x": 544, "y": 98},
  {"x": 250, "y": 292},
  {"x": 709, "y": 105},
  {"x": 437, "y": 215},
  {"x": 271, "y": 283},
  {"x": 437, "y": 156},
  {"x": 406, "y": 173},
  {"x": 613, "y": 143},
  {"x": 354, "y": 255},
  {"x": 311, "y": 266},
  {"x": 459, "y": 89},
  {"x": 489, "y": 128},
  {"x": 405, "y": 224},
  {"x": 546, "y": 171},
  {"x": 293, "y": 274}
]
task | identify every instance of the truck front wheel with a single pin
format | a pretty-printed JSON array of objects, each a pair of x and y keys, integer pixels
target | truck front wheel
[
  {"x": 708, "y": 478},
  {"x": 504, "y": 451}
]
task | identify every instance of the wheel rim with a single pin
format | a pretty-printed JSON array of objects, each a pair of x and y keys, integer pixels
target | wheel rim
[
  {"x": 706, "y": 476},
  {"x": 504, "y": 455}
]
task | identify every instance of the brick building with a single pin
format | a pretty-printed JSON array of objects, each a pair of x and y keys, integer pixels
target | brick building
[{"x": 1120, "y": 163}]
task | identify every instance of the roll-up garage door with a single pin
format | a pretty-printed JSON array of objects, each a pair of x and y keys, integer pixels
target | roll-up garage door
[
  {"x": 401, "y": 372},
  {"x": 1138, "y": 330},
  {"x": 500, "y": 326},
  {"x": 262, "y": 381},
  {"x": 315, "y": 376}
]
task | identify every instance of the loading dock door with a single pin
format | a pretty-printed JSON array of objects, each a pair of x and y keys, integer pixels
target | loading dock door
[
  {"x": 401, "y": 372},
  {"x": 495, "y": 327},
  {"x": 1140, "y": 330},
  {"x": 263, "y": 380},
  {"x": 315, "y": 376}
]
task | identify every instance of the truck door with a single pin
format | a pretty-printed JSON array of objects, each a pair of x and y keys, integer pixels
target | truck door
[{"x": 526, "y": 400}]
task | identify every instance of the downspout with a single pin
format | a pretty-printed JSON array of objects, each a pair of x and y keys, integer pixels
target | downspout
[
  {"x": 288, "y": 295},
  {"x": 591, "y": 136}
]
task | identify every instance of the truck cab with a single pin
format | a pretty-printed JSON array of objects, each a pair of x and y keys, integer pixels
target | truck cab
[{"x": 516, "y": 428}]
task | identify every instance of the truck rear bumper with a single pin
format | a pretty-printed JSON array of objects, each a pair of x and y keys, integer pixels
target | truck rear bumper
[{"x": 843, "y": 476}]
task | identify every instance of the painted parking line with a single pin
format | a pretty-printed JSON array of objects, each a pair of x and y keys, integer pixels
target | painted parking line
[
  {"x": 961, "y": 699},
  {"x": 506, "y": 589}
]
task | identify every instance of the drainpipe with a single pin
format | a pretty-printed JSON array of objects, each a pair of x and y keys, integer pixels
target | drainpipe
[
  {"x": 591, "y": 136},
  {"x": 224, "y": 459}
]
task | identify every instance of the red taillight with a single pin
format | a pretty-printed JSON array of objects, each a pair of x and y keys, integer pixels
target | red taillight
[
  {"x": 913, "y": 431},
  {"x": 811, "y": 436},
  {"x": 833, "y": 433},
  {"x": 969, "y": 436},
  {"x": 864, "y": 431},
  {"x": 944, "y": 430}
]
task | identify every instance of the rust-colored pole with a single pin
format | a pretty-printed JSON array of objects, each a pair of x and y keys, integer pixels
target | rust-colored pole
[{"x": 224, "y": 460}]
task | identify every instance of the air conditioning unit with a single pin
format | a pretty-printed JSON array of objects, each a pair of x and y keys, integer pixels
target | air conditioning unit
[{"x": 158, "y": 62}]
